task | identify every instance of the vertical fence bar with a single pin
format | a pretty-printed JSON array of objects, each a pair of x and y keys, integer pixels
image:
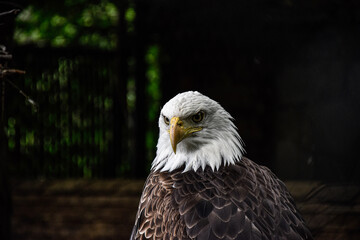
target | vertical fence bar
[
  {"x": 119, "y": 92},
  {"x": 140, "y": 83}
]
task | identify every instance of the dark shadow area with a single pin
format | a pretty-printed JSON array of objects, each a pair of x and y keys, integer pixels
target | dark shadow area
[
  {"x": 98, "y": 71},
  {"x": 286, "y": 70}
]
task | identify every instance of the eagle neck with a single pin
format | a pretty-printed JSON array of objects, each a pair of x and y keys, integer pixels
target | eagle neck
[{"x": 214, "y": 154}]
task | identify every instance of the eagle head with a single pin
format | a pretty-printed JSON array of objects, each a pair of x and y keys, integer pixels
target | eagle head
[{"x": 195, "y": 131}]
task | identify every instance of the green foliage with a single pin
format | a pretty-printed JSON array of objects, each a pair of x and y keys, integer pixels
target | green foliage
[
  {"x": 10, "y": 132},
  {"x": 153, "y": 76},
  {"x": 73, "y": 131},
  {"x": 131, "y": 95},
  {"x": 130, "y": 17},
  {"x": 74, "y": 23},
  {"x": 154, "y": 94}
]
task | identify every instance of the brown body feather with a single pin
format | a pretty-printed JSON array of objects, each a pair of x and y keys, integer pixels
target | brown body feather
[{"x": 240, "y": 201}]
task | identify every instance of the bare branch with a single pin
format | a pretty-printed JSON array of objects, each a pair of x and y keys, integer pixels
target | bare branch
[
  {"x": 14, "y": 11},
  {"x": 10, "y": 71},
  {"x": 6, "y": 57},
  {"x": 28, "y": 99}
]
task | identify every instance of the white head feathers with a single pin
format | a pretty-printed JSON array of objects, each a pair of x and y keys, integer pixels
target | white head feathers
[{"x": 218, "y": 143}]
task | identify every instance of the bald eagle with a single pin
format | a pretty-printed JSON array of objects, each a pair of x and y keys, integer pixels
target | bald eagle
[{"x": 201, "y": 187}]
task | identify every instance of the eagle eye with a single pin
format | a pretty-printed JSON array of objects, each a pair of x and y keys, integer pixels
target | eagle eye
[
  {"x": 166, "y": 120},
  {"x": 198, "y": 117}
]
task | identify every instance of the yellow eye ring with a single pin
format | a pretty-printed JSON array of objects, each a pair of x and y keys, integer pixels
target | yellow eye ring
[
  {"x": 166, "y": 120},
  {"x": 198, "y": 117}
]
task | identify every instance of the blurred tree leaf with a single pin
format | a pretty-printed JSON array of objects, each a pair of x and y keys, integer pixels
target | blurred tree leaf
[{"x": 85, "y": 23}]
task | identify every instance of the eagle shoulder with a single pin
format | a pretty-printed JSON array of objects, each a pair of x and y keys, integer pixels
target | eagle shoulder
[
  {"x": 158, "y": 216},
  {"x": 239, "y": 201}
]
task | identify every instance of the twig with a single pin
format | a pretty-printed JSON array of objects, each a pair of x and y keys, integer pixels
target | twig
[
  {"x": 14, "y": 11},
  {"x": 28, "y": 99},
  {"x": 10, "y": 71},
  {"x": 6, "y": 57},
  {"x": 2, "y": 101},
  {"x": 5, "y": 72}
]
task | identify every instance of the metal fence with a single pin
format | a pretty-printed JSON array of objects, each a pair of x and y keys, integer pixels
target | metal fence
[{"x": 78, "y": 127}]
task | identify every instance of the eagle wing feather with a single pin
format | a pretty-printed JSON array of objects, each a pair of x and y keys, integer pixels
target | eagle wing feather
[{"x": 240, "y": 201}]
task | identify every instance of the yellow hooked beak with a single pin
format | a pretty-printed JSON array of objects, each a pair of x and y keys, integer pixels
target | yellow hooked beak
[{"x": 178, "y": 131}]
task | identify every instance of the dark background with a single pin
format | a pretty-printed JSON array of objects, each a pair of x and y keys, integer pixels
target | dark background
[{"x": 287, "y": 71}]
